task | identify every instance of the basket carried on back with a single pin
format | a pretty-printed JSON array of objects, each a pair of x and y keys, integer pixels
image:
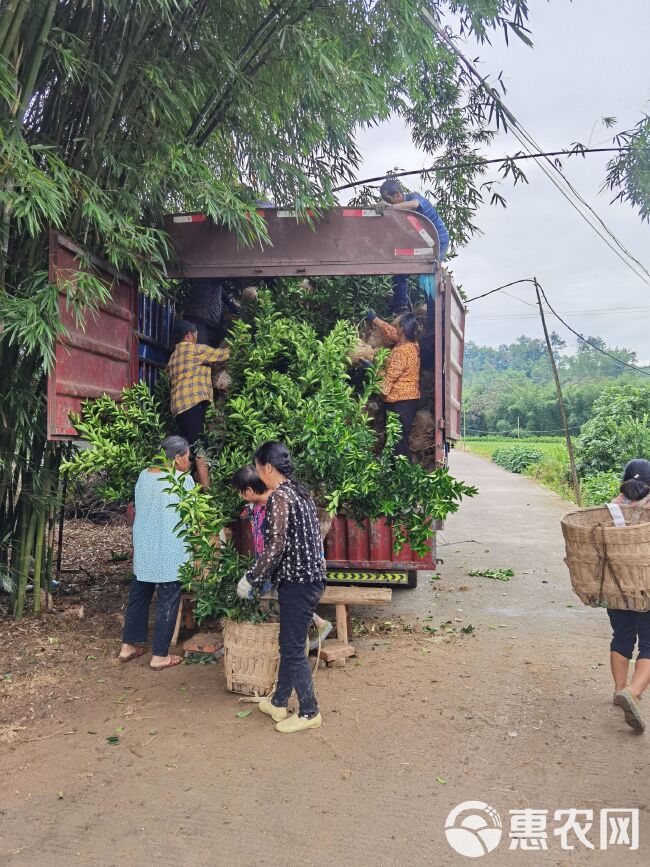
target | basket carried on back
[
  {"x": 609, "y": 565},
  {"x": 251, "y": 657}
]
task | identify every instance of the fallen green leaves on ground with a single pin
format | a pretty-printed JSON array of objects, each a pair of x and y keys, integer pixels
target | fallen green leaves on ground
[{"x": 497, "y": 574}]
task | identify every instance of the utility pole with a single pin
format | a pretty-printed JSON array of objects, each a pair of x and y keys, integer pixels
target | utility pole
[{"x": 556, "y": 377}]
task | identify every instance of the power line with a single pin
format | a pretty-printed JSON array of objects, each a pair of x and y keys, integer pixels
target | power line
[
  {"x": 499, "y": 289},
  {"x": 526, "y": 140},
  {"x": 480, "y": 162},
  {"x": 533, "y": 280},
  {"x": 588, "y": 342}
]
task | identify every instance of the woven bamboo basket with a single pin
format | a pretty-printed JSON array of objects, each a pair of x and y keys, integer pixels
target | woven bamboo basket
[
  {"x": 609, "y": 566},
  {"x": 251, "y": 657}
]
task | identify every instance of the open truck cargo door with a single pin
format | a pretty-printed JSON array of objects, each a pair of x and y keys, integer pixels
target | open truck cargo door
[
  {"x": 454, "y": 348},
  {"x": 98, "y": 357},
  {"x": 343, "y": 241}
]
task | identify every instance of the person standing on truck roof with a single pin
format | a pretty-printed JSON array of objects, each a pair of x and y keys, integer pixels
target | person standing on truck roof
[
  {"x": 190, "y": 372},
  {"x": 401, "y": 382},
  {"x": 204, "y": 307},
  {"x": 393, "y": 194}
]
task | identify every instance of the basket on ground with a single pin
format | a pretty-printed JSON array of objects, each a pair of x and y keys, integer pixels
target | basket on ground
[
  {"x": 609, "y": 565},
  {"x": 251, "y": 657}
]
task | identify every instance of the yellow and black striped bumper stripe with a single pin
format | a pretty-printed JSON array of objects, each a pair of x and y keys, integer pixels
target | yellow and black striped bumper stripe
[{"x": 368, "y": 577}]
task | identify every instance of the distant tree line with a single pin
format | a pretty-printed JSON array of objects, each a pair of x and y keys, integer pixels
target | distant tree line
[{"x": 510, "y": 389}]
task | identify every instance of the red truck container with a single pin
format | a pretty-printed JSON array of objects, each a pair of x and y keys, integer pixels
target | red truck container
[{"x": 128, "y": 339}]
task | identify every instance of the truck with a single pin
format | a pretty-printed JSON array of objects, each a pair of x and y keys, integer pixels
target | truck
[{"x": 129, "y": 337}]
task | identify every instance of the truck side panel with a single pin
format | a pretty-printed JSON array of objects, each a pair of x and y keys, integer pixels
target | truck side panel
[{"x": 94, "y": 358}]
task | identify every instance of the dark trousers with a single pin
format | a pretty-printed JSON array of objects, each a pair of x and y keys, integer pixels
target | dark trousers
[
  {"x": 136, "y": 619},
  {"x": 401, "y": 300},
  {"x": 191, "y": 424},
  {"x": 630, "y": 627},
  {"x": 297, "y": 605},
  {"x": 406, "y": 410}
]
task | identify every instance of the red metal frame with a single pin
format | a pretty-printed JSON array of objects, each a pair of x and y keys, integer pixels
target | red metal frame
[{"x": 95, "y": 358}]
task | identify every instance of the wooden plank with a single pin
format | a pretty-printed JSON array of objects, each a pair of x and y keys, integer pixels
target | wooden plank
[
  {"x": 356, "y": 596},
  {"x": 342, "y": 623},
  {"x": 334, "y": 649}
]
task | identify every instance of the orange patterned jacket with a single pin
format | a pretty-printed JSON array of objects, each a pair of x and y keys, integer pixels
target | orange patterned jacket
[{"x": 402, "y": 375}]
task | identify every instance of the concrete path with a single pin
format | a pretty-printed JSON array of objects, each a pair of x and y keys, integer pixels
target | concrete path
[{"x": 515, "y": 713}]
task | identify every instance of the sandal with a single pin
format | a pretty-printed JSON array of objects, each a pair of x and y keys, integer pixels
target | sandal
[
  {"x": 139, "y": 651},
  {"x": 173, "y": 660}
]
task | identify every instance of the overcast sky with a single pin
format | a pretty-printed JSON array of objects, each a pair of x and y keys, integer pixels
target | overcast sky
[{"x": 590, "y": 60}]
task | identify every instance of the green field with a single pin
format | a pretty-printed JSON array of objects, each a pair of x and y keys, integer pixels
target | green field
[
  {"x": 552, "y": 471},
  {"x": 486, "y": 446}
]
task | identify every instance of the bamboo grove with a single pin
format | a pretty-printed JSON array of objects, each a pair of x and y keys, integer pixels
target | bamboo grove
[{"x": 113, "y": 112}]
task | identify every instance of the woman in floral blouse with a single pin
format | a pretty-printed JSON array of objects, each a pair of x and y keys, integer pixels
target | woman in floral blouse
[
  {"x": 292, "y": 558},
  {"x": 401, "y": 384}
]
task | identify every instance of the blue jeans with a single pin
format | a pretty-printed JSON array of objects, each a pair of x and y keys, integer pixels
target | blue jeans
[
  {"x": 628, "y": 627},
  {"x": 297, "y": 605},
  {"x": 136, "y": 618}
]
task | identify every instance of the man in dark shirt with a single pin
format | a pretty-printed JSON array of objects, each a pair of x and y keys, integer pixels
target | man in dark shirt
[{"x": 391, "y": 192}]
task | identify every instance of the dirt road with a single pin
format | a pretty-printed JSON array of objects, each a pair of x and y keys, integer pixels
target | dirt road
[{"x": 516, "y": 713}]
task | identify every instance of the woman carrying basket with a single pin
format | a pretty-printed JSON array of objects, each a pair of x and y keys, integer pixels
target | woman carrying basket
[
  {"x": 630, "y": 627},
  {"x": 292, "y": 558}
]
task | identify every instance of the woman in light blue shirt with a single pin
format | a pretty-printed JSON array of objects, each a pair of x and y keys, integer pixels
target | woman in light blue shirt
[{"x": 158, "y": 554}]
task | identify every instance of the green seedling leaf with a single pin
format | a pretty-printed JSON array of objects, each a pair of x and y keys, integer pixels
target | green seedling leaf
[
  {"x": 496, "y": 574},
  {"x": 242, "y": 714},
  {"x": 119, "y": 556},
  {"x": 90, "y": 656},
  {"x": 119, "y": 730},
  {"x": 436, "y": 577},
  {"x": 113, "y": 739},
  {"x": 467, "y": 630},
  {"x": 441, "y": 781}
]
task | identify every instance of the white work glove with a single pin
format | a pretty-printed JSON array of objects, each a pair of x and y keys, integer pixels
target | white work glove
[{"x": 244, "y": 589}]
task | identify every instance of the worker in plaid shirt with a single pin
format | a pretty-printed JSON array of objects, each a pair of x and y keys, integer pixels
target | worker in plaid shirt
[{"x": 190, "y": 373}]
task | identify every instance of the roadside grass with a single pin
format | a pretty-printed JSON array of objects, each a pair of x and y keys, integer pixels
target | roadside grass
[{"x": 552, "y": 471}]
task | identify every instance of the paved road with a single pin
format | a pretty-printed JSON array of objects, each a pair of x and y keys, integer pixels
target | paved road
[
  {"x": 512, "y": 523},
  {"x": 517, "y": 714}
]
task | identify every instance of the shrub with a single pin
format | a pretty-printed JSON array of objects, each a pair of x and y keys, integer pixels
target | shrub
[
  {"x": 601, "y": 488},
  {"x": 618, "y": 431},
  {"x": 516, "y": 458}
]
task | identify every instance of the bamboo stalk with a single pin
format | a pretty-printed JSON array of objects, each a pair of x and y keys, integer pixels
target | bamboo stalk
[
  {"x": 12, "y": 31},
  {"x": 6, "y": 18},
  {"x": 27, "y": 544},
  {"x": 36, "y": 57},
  {"x": 40, "y": 542},
  {"x": 11, "y": 39}
]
